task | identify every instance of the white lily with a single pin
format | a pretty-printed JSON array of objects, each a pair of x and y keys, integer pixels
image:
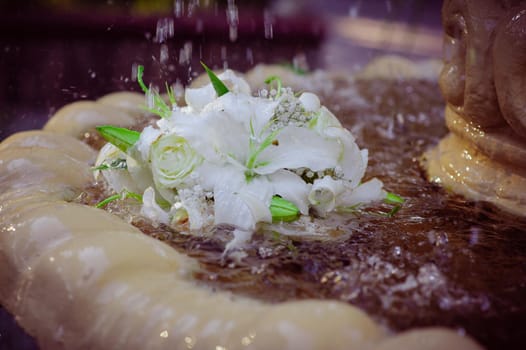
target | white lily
[{"x": 238, "y": 151}]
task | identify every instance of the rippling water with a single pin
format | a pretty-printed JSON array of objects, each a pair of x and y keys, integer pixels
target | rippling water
[{"x": 441, "y": 260}]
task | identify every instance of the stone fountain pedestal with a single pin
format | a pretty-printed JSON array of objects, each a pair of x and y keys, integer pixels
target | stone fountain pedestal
[
  {"x": 484, "y": 83},
  {"x": 480, "y": 165}
]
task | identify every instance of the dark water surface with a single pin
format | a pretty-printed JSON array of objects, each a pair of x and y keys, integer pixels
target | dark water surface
[{"x": 441, "y": 260}]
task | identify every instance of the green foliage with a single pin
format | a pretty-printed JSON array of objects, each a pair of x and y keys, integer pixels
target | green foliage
[
  {"x": 283, "y": 210},
  {"x": 218, "y": 85},
  {"x": 121, "y": 138},
  {"x": 124, "y": 195},
  {"x": 156, "y": 105}
]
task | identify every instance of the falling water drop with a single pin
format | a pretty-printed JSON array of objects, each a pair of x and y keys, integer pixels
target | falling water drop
[
  {"x": 134, "y": 71},
  {"x": 164, "y": 30},
  {"x": 224, "y": 57},
  {"x": 268, "y": 22},
  {"x": 178, "y": 8},
  {"x": 354, "y": 11},
  {"x": 192, "y": 5},
  {"x": 199, "y": 25},
  {"x": 185, "y": 54},
  {"x": 232, "y": 17},
  {"x": 250, "y": 55},
  {"x": 163, "y": 55},
  {"x": 389, "y": 6}
]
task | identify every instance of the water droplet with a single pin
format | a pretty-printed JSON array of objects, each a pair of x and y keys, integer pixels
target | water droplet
[
  {"x": 192, "y": 4},
  {"x": 389, "y": 6},
  {"x": 185, "y": 54},
  {"x": 474, "y": 235},
  {"x": 232, "y": 17},
  {"x": 164, "y": 30},
  {"x": 354, "y": 11},
  {"x": 163, "y": 55},
  {"x": 397, "y": 251},
  {"x": 199, "y": 26},
  {"x": 268, "y": 22},
  {"x": 134, "y": 71},
  {"x": 178, "y": 8},
  {"x": 190, "y": 342},
  {"x": 249, "y": 56}
]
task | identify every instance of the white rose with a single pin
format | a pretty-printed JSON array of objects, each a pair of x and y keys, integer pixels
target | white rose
[{"x": 172, "y": 160}]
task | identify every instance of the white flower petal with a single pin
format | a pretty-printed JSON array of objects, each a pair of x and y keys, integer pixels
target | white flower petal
[
  {"x": 141, "y": 174},
  {"x": 196, "y": 206},
  {"x": 299, "y": 147},
  {"x": 240, "y": 238},
  {"x": 353, "y": 161},
  {"x": 235, "y": 83},
  {"x": 324, "y": 192},
  {"x": 367, "y": 192},
  {"x": 292, "y": 188},
  {"x": 240, "y": 204},
  {"x": 151, "y": 209},
  {"x": 117, "y": 179},
  {"x": 198, "y": 98},
  {"x": 247, "y": 110},
  {"x": 148, "y": 136},
  {"x": 309, "y": 101},
  {"x": 215, "y": 136},
  {"x": 325, "y": 120}
]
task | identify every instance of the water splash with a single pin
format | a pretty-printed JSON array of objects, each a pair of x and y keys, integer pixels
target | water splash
[{"x": 164, "y": 30}]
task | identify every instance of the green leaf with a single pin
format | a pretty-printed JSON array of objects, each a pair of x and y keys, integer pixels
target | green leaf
[
  {"x": 392, "y": 198},
  {"x": 159, "y": 107},
  {"x": 283, "y": 210},
  {"x": 393, "y": 211},
  {"x": 354, "y": 209},
  {"x": 118, "y": 163},
  {"x": 279, "y": 84},
  {"x": 218, "y": 85},
  {"x": 105, "y": 202},
  {"x": 140, "y": 73},
  {"x": 171, "y": 94},
  {"x": 121, "y": 138},
  {"x": 125, "y": 194}
]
